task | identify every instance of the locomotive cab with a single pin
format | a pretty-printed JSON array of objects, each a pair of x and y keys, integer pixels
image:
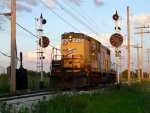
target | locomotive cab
[{"x": 74, "y": 52}]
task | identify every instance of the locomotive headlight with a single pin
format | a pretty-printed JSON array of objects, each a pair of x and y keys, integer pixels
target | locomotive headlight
[
  {"x": 70, "y": 39},
  {"x": 93, "y": 54}
]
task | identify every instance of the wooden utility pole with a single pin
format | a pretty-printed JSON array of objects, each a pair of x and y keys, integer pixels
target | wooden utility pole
[
  {"x": 128, "y": 29},
  {"x": 142, "y": 47},
  {"x": 148, "y": 50},
  {"x": 138, "y": 59},
  {"x": 13, "y": 46}
]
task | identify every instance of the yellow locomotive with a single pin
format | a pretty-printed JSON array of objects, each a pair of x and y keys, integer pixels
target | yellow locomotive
[{"x": 84, "y": 61}]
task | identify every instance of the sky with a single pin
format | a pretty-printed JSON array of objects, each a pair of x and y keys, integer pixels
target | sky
[{"x": 92, "y": 17}]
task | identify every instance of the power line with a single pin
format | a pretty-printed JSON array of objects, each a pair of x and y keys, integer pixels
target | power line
[
  {"x": 90, "y": 21},
  {"x": 66, "y": 10},
  {"x": 59, "y": 16},
  {"x": 5, "y": 54},
  {"x": 27, "y": 30},
  {"x": 2, "y": 6},
  {"x": 77, "y": 19},
  {"x": 24, "y": 28},
  {"x": 80, "y": 14},
  {"x": 72, "y": 15}
]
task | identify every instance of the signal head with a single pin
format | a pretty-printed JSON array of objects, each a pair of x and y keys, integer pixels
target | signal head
[
  {"x": 116, "y": 39},
  {"x": 115, "y": 16},
  {"x": 44, "y": 41},
  {"x": 43, "y": 21}
]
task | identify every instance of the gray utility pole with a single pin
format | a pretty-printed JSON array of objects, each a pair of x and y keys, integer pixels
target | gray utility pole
[
  {"x": 13, "y": 46},
  {"x": 138, "y": 59},
  {"x": 128, "y": 29},
  {"x": 132, "y": 68},
  {"x": 142, "y": 47},
  {"x": 148, "y": 59}
]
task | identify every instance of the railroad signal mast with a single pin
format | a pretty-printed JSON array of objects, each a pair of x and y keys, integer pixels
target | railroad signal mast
[
  {"x": 42, "y": 42},
  {"x": 116, "y": 40}
]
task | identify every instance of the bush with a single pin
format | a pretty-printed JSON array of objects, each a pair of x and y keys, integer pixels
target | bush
[{"x": 4, "y": 84}]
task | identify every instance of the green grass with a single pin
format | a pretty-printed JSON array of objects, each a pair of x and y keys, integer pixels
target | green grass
[
  {"x": 33, "y": 83},
  {"x": 133, "y": 99},
  {"x": 4, "y": 84}
]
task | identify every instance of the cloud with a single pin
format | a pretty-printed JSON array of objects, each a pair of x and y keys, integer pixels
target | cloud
[
  {"x": 77, "y": 2},
  {"x": 50, "y": 3},
  {"x": 30, "y": 58},
  {"x": 27, "y": 5},
  {"x": 3, "y": 23},
  {"x": 98, "y": 3},
  {"x": 30, "y": 2},
  {"x": 142, "y": 19},
  {"x": 103, "y": 38},
  {"x": 23, "y": 5}
]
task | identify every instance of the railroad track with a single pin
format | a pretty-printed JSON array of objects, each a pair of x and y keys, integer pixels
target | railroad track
[
  {"x": 25, "y": 95},
  {"x": 28, "y": 99},
  {"x": 22, "y": 95}
]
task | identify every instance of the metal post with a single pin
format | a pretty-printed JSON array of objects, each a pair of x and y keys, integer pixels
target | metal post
[
  {"x": 38, "y": 46},
  {"x": 118, "y": 79},
  {"x": 121, "y": 66},
  {"x": 13, "y": 46},
  {"x": 41, "y": 48},
  {"x": 128, "y": 29},
  {"x": 116, "y": 25}
]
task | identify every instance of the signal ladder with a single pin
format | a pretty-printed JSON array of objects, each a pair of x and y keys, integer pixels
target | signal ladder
[{"x": 38, "y": 33}]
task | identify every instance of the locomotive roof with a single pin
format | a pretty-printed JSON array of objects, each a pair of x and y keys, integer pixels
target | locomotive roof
[
  {"x": 74, "y": 35},
  {"x": 81, "y": 35}
]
